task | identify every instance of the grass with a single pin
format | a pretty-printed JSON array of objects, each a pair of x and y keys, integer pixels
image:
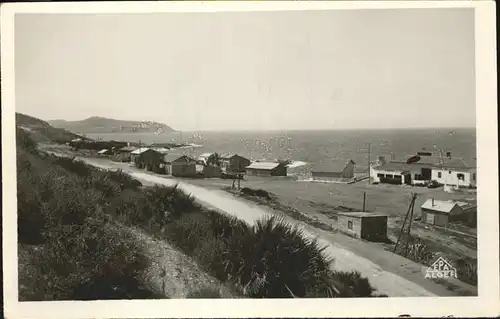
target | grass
[{"x": 74, "y": 255}]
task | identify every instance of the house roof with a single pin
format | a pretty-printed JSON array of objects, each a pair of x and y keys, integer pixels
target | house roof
[
  {"x": 127, "y": 149},
  {"x": 263, "y": 165},
  {"x": 230, "y": 155},
  {"x": 398, "y": 167},
  {"x": 103, "y": 151},
  {"x": 171, "y": 158},
  {"x": 332, "y": 166},
  {"x": 439, "y": 205},
  {"x": 140, "y": 150},
  {"x": 362, "y": 214},
  {"x": 205, "y": 155},
  {"x": 435, "y": 161},
  {"x": 161, "y": 149}
]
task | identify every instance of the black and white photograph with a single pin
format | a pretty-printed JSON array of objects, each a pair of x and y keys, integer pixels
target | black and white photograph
[{"x": 252, "y": 153}]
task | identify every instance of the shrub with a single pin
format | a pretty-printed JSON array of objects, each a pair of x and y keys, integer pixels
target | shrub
[
  {"x": 467, "y": 270},
  {"x": 74, "y": 166},
  {"x": 352, "y": 284},
  {"x": 88, "y": 262},
  {"x": 80, "y": 258},
  {"x": 124, "y": 180},
  {"x": 24, "y": 140},
  {"x": 189, "y": 232}
]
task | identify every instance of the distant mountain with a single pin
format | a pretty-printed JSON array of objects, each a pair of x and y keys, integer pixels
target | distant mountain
[
  {"x": 97, "y": 124},
  {"x": 41, "y": 131}
]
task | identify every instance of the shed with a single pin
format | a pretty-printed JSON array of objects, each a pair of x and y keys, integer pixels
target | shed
[
  {"x": 439, "y": 213},
  {"x": 148, "y": 159},
  {"x": 266, "y": 169},
  {"x": 335, "y": 169},
  {"x": 234, "y": 163},
  {"x": 363, "y": 225},
  {"x": 180, "y": 165}
]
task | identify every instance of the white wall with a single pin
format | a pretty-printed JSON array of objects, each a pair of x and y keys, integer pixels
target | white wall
[
  {"x": 451, "y": 177},
  {"x": 375, "y": 178}
]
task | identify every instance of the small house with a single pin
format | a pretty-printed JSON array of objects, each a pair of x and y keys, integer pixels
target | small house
[
  {"x": 180, "y": 165},
  {"x": 334, "y": 170},
  {"x": 123, "y": 154},
  {"x": 439, "y": 213},
  {"x": 363, "y": 225},
  {"x": 234, "y": 163},
  {"x": 266, "y": 169},
  {"x": 148, "y": 159}
]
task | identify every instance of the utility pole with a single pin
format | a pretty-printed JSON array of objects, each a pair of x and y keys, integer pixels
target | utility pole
[
  {"x": 364, "y": 202},
  {"x": 441, "y": 162},
  {"x": 369, "y": 164},
  {"x": 409, "y": 215}
]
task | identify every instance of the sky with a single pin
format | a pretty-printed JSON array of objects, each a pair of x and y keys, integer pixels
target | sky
[{"x": 295, "y": 70}]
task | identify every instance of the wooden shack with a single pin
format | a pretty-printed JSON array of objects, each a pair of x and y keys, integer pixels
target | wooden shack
[
  {"x": 439, "y": 212},
  {"x": 148, "y": 159},
  {"x": 180, "y": 165}
]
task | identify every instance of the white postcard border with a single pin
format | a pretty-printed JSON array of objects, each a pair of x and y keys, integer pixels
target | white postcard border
[{"x": 486, "y": 304}]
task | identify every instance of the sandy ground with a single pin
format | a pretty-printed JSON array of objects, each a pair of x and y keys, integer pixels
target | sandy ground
[{"x": 390, "y": 274}]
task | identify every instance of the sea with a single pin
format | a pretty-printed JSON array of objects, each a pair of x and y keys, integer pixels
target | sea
[{"x": 305, "y": 149}]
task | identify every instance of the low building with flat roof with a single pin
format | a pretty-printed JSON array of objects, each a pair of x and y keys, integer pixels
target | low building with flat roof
[{"x": 363, "y": 225}]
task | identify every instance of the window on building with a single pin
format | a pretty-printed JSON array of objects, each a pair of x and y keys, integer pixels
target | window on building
[
  {"x": 439, "y": 174},
  {"x": 380, "y": 175},
  {"x": 449, "y": 172},
  {"x": 474, "y": 176},
  {"x": 349, "y": 224},
  {"x": 460, "y": 176}
]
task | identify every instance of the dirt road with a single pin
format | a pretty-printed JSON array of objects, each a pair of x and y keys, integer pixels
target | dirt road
[{"x": 384, "y": 281}]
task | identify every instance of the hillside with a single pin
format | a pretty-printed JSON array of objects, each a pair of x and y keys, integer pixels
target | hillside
[
  {"x": 97, "y": 124},
  {"x": 42, "y": 131}
]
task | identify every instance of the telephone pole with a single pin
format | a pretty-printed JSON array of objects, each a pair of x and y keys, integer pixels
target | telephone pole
[{"x": 369, "y": 164}]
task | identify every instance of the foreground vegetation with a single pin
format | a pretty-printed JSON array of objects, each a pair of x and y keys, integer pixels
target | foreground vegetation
[{"x": 66, "y": 206}]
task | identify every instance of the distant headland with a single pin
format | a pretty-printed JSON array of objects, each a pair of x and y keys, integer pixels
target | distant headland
[{"x": 96, "y": 124}]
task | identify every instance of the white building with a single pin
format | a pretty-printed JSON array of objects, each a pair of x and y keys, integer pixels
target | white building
[{"x": 455, "y": 173}]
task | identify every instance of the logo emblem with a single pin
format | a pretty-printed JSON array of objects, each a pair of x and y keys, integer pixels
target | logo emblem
[{"x": 441, "y": 268}]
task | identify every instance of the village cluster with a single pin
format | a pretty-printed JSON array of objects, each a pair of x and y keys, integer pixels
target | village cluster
[
  {"x": 162, "y": 160},
  {"x": 426, "y": 170}
]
